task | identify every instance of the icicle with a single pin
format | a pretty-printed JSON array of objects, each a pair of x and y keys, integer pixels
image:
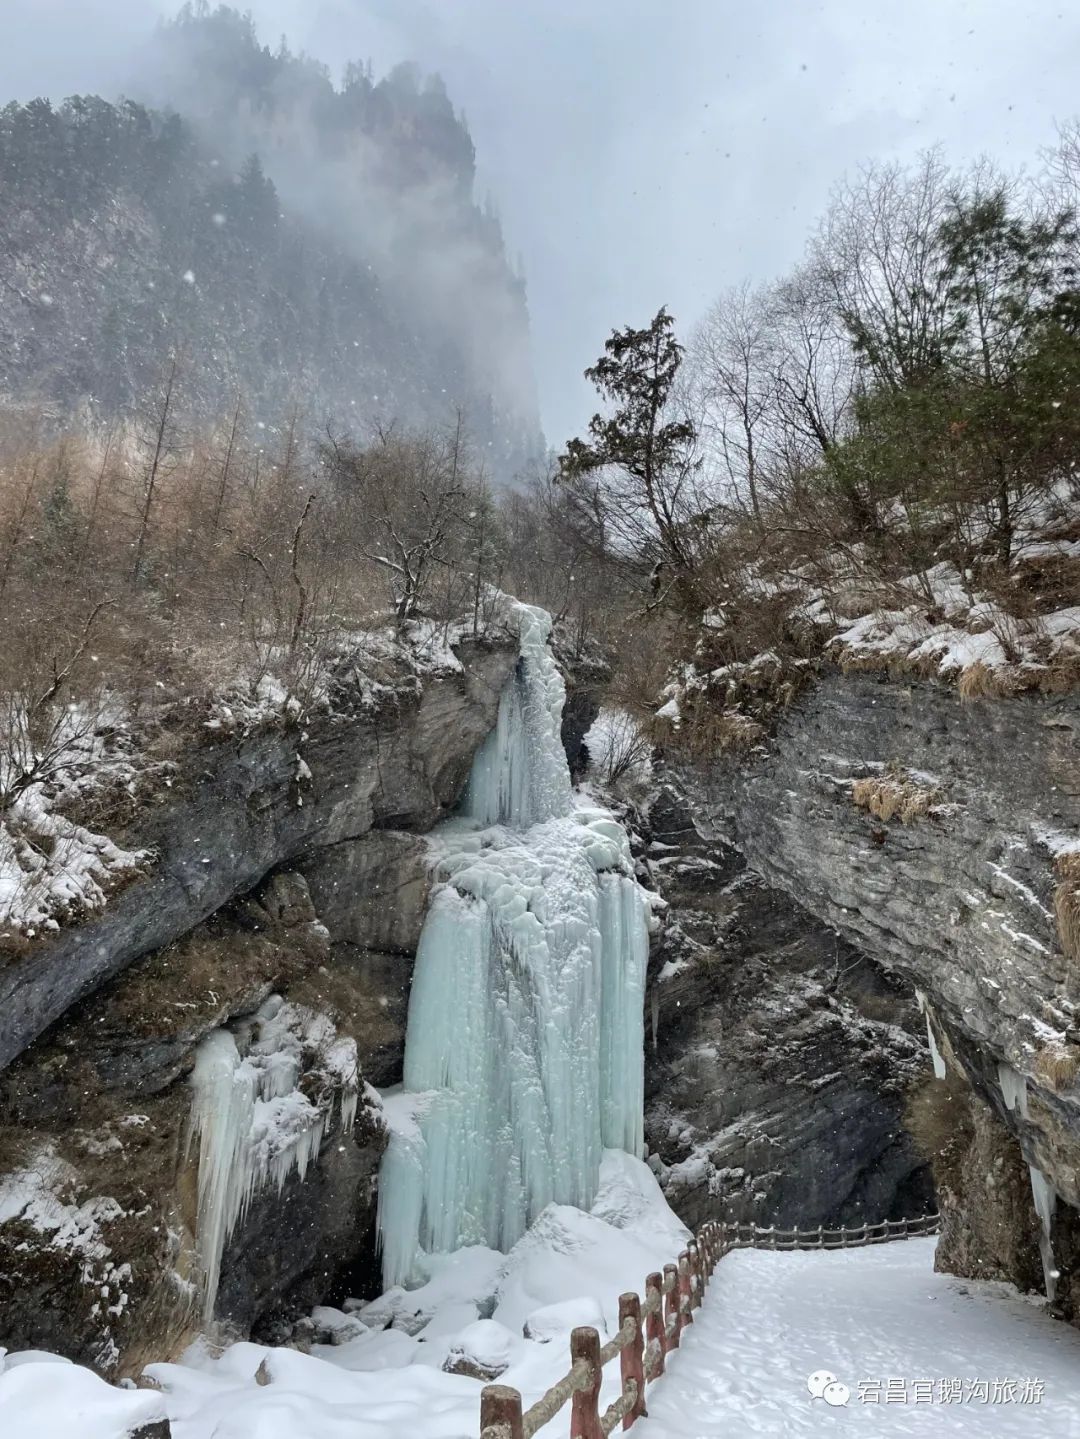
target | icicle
[
  {"x": 1045, "y": 1203},
  {"x": 526, "y": 1024},
  {"x": 1013, "y": 1089},
  {"x": 935, "y": 1053},
  {"x": 1014, "y": 1093},
  {"x": 254, "y": 1126},
  {"x": 350, "y": 1100}
]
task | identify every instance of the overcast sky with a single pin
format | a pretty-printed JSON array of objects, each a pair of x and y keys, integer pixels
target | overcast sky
[{"x": 645, "y": 153}]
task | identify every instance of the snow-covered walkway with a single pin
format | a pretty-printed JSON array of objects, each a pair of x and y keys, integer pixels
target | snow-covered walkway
[{"x": 964, "y": 1358}]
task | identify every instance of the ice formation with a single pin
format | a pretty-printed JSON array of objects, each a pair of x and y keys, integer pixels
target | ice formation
[
  {"x": 940, "y": 1070},
  {"x": 1014, "y": 1092},
  {"x": 1013, "y": 1089},
  {"x": 524, "y": 1047},
  {"x": 1045, "y": 1203},
  {"x": 253, "y": 1124}
]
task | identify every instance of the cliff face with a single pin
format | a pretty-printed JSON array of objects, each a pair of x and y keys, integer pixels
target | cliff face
[
  {"x": 245, "y": 807},
  {"x": 296, "y": 244},
  {"x": 928, "y": 833},
  {"x": 779, "y": 1055},
  {"x": 271, "y": 878}
]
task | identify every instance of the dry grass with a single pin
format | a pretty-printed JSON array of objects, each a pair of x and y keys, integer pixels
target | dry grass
[
  {"x": 938, "y": 1118},
  {"x": 1061, "y": 675},
  {"x": 979, "y": 681},
  {"x": 896, "y": 796},
  {"x": 1067, "y": 904},
  {"x": 1057, "y": 1065},
  {"x": 704, "y": 731}
]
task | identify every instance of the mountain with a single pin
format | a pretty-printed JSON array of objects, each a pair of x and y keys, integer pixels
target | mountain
[{"x": 293, "y": 241}]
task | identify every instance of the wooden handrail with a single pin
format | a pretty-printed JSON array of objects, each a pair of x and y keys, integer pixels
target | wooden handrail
[{"x": 666, "y": 1310}]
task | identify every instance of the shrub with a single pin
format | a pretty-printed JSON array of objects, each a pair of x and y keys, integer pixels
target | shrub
[
  {"x": 895, "y": 796},
  {"x": 1057, "y": 1064}
]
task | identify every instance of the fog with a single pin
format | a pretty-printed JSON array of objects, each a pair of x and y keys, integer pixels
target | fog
[{"x": 642, "y": 153}]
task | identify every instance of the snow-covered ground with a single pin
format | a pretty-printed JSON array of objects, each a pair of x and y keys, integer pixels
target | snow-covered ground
[
  {"x": 379, "y": 1372},
  {"x": 909, "y": 1351},
  {"x": 962, "y": 1357}
]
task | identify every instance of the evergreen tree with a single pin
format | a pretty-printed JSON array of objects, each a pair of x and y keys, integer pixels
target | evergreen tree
[{"x": 634, "y": 471}]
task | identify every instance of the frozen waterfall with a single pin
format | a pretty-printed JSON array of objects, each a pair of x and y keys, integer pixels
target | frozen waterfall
[
  {"x": 254, "y": 1125},
  {"x": 524, "y": 1047}
]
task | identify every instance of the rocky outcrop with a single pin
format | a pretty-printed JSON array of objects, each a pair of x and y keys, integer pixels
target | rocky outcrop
[
  {"x": 928, "y": 834},
  {"x": 778, "y": 1057},
  {"x": 251, "y": 804},
  {"x": 272, "y": 877}
]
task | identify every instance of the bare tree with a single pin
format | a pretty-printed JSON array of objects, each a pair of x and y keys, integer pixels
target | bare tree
[
  {"x": 226, "y": 467},
  {"x": 734, "y": 382},
  {"x": 161, "y": 445},
  {"x": 878, "y": 256},
  {"x": 412, "y": 494}
]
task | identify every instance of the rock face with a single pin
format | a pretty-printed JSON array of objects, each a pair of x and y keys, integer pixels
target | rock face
[
  {"x": 779, "y": 1057},
  {"x": 928, "y": 833},
  {"x": 247, "y": 808},
  {"x": 267, "y": 882}
]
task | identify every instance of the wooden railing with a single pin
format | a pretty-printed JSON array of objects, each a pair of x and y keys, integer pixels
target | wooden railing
[{"x": 667, "y": 1309}]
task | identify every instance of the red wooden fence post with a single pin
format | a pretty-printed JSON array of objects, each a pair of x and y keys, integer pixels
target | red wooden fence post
[
  {"x": 685, "y": 1293},
  {"x": 671, "y": 1305},
  {"x": 632, "y": 1357},
  {"x": 654, "y": 1324},
  {"x": 585, "y": 1408},
  {"x": 694, "y": 1255},
  {"x": 500, "y": 1408}
]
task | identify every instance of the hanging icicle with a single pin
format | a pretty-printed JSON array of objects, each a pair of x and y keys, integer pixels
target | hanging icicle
[{"x": 253, "y": 1124}]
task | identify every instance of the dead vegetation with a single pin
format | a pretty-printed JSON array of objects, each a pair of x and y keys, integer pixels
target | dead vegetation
[
  {"x": 1057, "y": 1064},
  {"x": 938, "y": 1118},
  {"x": 1067, "y": 904},
  {"x": 895, "y": 796}
]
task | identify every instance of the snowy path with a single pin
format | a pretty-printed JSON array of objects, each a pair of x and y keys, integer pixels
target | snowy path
[{"x": 771, "y": 1320}]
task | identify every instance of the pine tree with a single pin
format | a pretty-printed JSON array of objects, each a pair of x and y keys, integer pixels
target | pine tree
[{"x": 634, "y": 471}]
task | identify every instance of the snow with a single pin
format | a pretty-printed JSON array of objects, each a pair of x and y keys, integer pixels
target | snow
[
  {"x": 973, "y": 631},
  {"x": 525, "y": 1039},
  {"x": 864, "y": 1317},
  {"x": 974, "y": 1357},
  {"x": 47, "y": 1398},
  {"x": 52, "y": 868},
  {"x": 485, "y": 1343},
  {"x": 378, "y": 1382},
  {"x": 32, "y": 1194}
]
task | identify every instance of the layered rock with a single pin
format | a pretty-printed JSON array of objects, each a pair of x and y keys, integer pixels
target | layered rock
[
  {"x": 779, "y": 1056},
  {"x": 250, "y": 804},
  {"x": 929, "y": 834}
]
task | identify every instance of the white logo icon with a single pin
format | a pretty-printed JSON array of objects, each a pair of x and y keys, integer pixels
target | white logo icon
[
  {"x": 823, "y": 1385},
  {"x": 818, "y": 1382}
]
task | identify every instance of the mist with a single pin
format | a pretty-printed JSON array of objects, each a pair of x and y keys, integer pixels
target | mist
[{"x": 642, "y": 154}]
